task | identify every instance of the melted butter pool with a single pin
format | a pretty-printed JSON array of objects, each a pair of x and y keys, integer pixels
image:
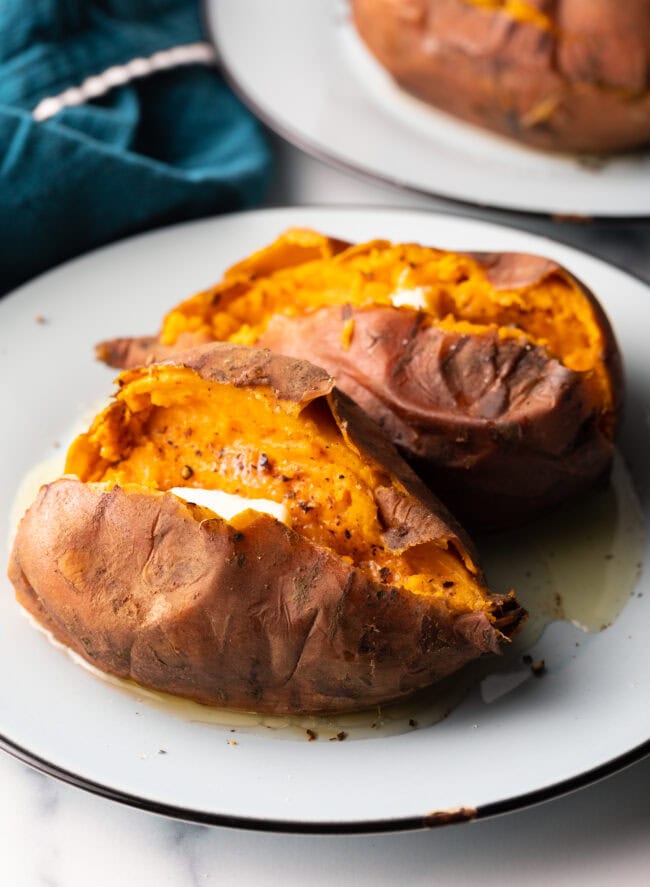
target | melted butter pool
[{"x": 581, "y": 564}]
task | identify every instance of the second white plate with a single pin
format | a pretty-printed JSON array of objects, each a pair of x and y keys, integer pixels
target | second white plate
[{"x": 303, "y": 70}]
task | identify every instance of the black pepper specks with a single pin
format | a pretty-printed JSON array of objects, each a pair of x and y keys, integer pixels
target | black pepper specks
[{"x": 537, "y": 666}]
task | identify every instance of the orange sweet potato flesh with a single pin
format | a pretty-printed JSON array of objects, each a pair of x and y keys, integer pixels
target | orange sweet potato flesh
[
  {"x": 563, "y": 75},
  {"x": 370, "y": 593},
  {"x": 503, "y": 390}
]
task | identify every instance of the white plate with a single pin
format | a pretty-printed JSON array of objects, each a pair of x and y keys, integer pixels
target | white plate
[
  {"x": 301, "y": 68},
  {"x": 587, "y": 716}
]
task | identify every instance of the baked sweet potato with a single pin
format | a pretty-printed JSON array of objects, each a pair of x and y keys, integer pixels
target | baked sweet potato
[
  {"x": 502, "y": 388},
  {"x": 564, "y": 75},
  {"x": 369, "y": 593}
]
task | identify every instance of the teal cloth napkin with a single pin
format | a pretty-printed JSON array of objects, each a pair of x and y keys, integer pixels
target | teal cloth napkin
[{"x": 171, "y": 146}]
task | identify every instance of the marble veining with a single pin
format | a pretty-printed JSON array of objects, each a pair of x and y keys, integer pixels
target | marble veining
[{"x": 53, "y": 835}]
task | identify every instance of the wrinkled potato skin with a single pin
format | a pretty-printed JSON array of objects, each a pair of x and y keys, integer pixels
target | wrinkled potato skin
[
  {"x": 582, "y": 84},
  {"x": 513, "y": 270},
  {"x": 501, "y": 431},
  {"x": 526, "y": 438},
  {"x": 258, "y": 618}
]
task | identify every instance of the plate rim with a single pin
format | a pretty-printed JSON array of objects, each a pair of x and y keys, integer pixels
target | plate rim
[
  {"x": 331, "y": 158},
  {"x": 507, "y": 224},
  {"x": 429, "y": 819}
]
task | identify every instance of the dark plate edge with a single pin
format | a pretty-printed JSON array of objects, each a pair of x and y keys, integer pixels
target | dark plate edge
[{"x": 431, "y": 819}]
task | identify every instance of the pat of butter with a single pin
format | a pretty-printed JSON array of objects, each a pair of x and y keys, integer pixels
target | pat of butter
[
  {"x": 227, "y": 505},
  {"x": 410, "y": 298}
]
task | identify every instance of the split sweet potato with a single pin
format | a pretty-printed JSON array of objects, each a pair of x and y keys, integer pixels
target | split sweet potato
[
  {"x": 369, "y": 591},
  {"x": 497, "y": 375}
]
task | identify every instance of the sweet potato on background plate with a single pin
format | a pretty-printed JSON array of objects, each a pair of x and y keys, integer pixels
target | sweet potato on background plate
[
  {"x": 368, "y": 593},
  {"x": 564, "y": 75},
  {"x": 497, "y": 375}
]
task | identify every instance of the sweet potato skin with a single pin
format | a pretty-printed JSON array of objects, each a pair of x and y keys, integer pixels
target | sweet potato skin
[
  {"x": 526, "y": 438},
  {"x": 575, "y": 78},
  {"x": 258, "y": 618},
  {"x": 498, "y": 428}
]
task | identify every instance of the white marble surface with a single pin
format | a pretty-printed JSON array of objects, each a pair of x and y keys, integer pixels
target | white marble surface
[{"x": 57, "y": 836}]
